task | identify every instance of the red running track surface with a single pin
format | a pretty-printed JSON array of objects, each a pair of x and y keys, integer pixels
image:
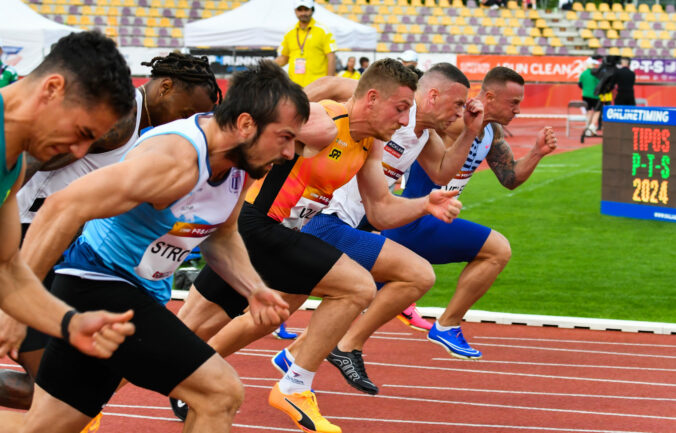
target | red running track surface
[{"x": 530, "y": 379}]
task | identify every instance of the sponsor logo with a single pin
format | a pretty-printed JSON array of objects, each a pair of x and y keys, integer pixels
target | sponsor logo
[
  {"x": 335, "y": 153},
  {"x": 304, "y": 420},
  {"x": 394, "y": 149}
]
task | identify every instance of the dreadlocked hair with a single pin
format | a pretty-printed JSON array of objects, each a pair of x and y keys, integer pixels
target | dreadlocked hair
[{"x": 190, "y": 70}]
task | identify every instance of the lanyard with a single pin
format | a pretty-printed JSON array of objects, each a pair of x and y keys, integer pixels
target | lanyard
[{"x": 304, "y": 39}]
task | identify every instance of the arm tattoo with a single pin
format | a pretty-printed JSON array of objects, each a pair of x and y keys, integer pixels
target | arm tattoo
[{"x": 501, "y": 159}]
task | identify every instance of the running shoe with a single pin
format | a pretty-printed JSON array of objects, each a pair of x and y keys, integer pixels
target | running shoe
[
  {"x": 179, "y": 407},
  {"x": 351, "y": 365},
  {"x": 454, "y": 342},
  {"x": 412, "y": 318},
  {"x": 283, "y": 334},
  {"x": 302, "y": 408},
  {"x": 281, "y": 362},
  {"x": 93, "y": 425}
]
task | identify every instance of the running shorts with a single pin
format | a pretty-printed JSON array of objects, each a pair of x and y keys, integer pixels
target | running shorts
[
  {"x": 362, "y": 246},
  {"x": 288, "y": 261},
  {"x": 440, "y": 242},
  {"x": 160, "y": 355}
]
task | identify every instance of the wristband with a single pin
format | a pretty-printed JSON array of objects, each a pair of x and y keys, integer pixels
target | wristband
[{"x": 64, "y": 325}]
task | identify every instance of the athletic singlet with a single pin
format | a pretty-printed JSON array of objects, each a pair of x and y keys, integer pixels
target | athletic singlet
[
  {"x": 144, "y": 246},
  {"x": 296, "y": 191},
  {"x": 419, "y": 184},
  {"x": 8, "y": 177},
  {"x": 399, "y": 153},
  {"x": 45, "y": 183}
]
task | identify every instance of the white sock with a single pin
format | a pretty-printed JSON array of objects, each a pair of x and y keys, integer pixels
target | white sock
[
  {"x": 296, "y": 380},
  {"x": 445, "y": 328},
  {"x": 289, "y": 356}
]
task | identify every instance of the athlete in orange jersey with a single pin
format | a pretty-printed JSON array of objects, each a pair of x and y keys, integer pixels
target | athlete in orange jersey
[{"x": 299, "y": 264}]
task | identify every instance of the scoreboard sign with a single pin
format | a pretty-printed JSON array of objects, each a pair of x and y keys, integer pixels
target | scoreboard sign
[{"x": 638, "y": 147}]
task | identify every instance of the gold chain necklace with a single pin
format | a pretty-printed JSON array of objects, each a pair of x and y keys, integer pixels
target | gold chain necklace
[{"x": 145, "y": 104}]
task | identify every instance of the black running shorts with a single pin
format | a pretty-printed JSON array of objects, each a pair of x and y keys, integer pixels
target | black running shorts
[
  {"x": 159, "y": 356},
  {"x": 288, "y": 260}
]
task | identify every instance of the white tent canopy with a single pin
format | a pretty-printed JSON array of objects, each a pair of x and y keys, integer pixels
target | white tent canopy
[
  {"x": 27, "y": 36},
  {"x": 263, "y": 23}
]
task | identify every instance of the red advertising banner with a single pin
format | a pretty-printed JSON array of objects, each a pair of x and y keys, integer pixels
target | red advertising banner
[{"x": 542, "y": 69}]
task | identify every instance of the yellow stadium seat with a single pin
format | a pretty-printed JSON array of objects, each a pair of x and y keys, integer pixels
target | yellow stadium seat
[
  {"x": 499, "y": 22},
  {"x": 586, "y": 34},
  {"x": 597, "y": 16},
  {"x": 540, "y": 23},
  {"x": 98, "y": 2},
  {"x": 129, "y": 3},
  {"x": 45, "y": 9},
  {"x": 520, "y": 14},
  {"x": 505, "y": 13},
  {"x": 478, "y": 12},
  {"x": 210, "y": 4},
  {"x": 612, "y": 34},
  {"x": 439, "y": 12},
  {"x": 643, "y": 8},
  {"x": 170, "y": 4},
  {"x": 594, "y": 43},
  {"x": 181, "y": 13},
  {"x": 555, "y": 42},
  {"x": 392, "y": 19},
  {"x": 398, "y": 38},
  {"x": 141, "y": 12},
  {"x": 151, "y": 22},
  {"x": 533, "y": 14},
  {"x": 457, "y": 4},
  {"x": 548, "y": 33},
  {"x": 444, "y": 4},
  {"x": 357, "y": 9},
  {"x": 416, "y": 3},
  {"x": 490, "y": 40},
  {"x": 627, "y": 52},
  {"x": 618, "y": 25},
  {"x": 455, "y": 30},
  {"x": 649, "y": 16},
  {"x": 604, "y": 25},
  {"x": 538, "y": 51},
  {"x": 511, "y": 50},
  {"x": 382, "y": 47},
  {"x": 637, "y": 34},
  {"x": 223, "y": 5},
  {"x": 86, "y": 21},
  {"x": 72, "y": 20},
  {"x": 352, "y": 17},
  {"x": 460, "y": 21},
  {"x": 342, "y": 9},
  {"x": 516, "y": 41},
  {"x": 514, "y": 23},
  {"x": 176, "y": 33},
  {"x": 614, "y": 51},
  {"x": 528, "y": 41},
  {"x": 111, "y": 32},
  {"x": 657, "y": 8},
  {"x": 150, "y": 32},
  {"x": 664, "y": 35},
  {"x": 578, "y": 7},
  {"x": 644, "y": 25},
  {"x": 590, "y": 7},
  {"x": 508, "y": 31},
  {"x": 623, "y": 16},
  {"x": 617, "y": 7},
  {"x": 433, "y": 20},
  {"x": 430, "y": 3},
  {"x": 603, "y": 7},
  {"x": 420, "y": 48},
  {"x": 592, "y": 25},
  {"x": 113, "y": 12},
  {"x": 473, "y": 49},
  {"x": 670, "y": 26},
  {"x": 610, "y": 16},
  {"x": 415, "y": 29},
  {"x": 155, "y": 3},
  {"x": 571, "y": 15},
  {"x": 512, "y": 4},
  {"x": 34, "y": 7},
  {"x": 149, "y": 43},
  {"x": 662, "y": 17},
  {"x": 630, "y": 8},
  {"x": 206, "y": 13},
  {"x": 645, "y": 43},
  {"x": 438, "y": 39},
  {"x": 59, "y": 10},
  {"x": 236, "y": 4},
  {"x": 470, "y": 31},
  {"x": 650, "y": 34},
  {"x": 401, "y": 29},
  {"x": 486, "y": 22},
  {"x": 378, "y": 19},
  {"x": 534, "y": 32},
  {"x": 164, "y": 22},
  {"x": 446, "y": 20}
]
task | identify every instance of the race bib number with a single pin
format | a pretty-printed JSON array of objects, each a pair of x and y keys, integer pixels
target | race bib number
[
  {"x": 165, "y": 255},
  {"x": 303, "y": 212},
  {"x": 458, "y": 182},
  {"x": 299, "y": 66}
]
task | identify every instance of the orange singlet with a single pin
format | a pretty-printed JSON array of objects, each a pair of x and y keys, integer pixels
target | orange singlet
[{"x": 294, "y": 192}]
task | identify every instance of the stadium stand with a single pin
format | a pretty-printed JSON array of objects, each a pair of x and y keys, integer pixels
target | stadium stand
[{"x": 435, "y": 26}]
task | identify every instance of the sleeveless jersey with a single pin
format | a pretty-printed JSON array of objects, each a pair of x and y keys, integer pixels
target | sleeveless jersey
[
  {"x": 8, "y": 177},
  {"x": 419, "y": 184},
  {"x": 144, "y": 246},
  {"x": 45, "y": 183},
  {"x": 294, "y": 192},
  {"x": 398, "y": 155}
]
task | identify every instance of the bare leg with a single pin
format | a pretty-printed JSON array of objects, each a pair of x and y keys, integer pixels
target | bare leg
[
  {"x": 203, "y": 317},
  {"x": 16, "y": 388},
  {"x": 477, "y": 278},
  {"x": 48, "y": 414},
  {"x": 410, "y": 277}
]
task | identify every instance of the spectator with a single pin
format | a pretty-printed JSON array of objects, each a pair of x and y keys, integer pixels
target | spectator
[
  {"x": 363, "y": 64},
  {"x": 493, "y": 4},
  {"x": 309, "y": 48},
  {"x": 606, "y": 74},
  {"x": 7, "y": 74},
  {"x": 625, "y": 79},
  {"x": 350, "y": 71},
  {"x": 588, "y": 82},
  {"x": 409, "y": 58}
]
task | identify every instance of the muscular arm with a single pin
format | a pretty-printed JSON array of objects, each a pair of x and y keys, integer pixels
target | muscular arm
[
  {"x": 385, "y": 210},
  {"x": 331, "y": 68},
  {"x": 513, "y": 173},
  {"x": 335, "y": 88},
  {"x": 159, "y": 171}
]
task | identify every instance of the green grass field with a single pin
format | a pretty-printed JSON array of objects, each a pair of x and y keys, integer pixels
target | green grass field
[{"x": 567, "y": 258}]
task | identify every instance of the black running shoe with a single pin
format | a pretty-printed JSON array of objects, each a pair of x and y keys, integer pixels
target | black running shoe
[
  {"x": 179, "y": 407},
  {"x": 351, "y": 365}
]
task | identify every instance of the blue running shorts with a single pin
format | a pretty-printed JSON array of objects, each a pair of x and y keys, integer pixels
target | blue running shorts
[
  {"x": 362, "y": 247},
  {"x": 440, "y": 242}
]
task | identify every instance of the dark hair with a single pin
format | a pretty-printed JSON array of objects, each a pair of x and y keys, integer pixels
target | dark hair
[
  {"x": 384, "y": 74},
  {"x": 501, "y": 75},
  {"x": 417, "y": 71},
  {"x": 93, "y": 68},
  {"x": 189, "y": 70},
  {"x": 258, "y": 91},
  {"x": 449, "y": 72},
  {"x": 363, "y": 59}
]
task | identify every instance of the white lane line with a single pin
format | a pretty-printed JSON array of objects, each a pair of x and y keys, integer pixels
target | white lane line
[
  {"x": 502, "y": 406},
  {"x": 587, "y": 352},
  {"x": 160, "y": 418},
  {"x": 483, "y": 337},
  {"x": 466, "y": 370},
  {"x": 551, "y": 364},
  {"x": 459, "y": 424},
  {"x": 135, "y": 406},
  {"x": 555, "y": 394}
]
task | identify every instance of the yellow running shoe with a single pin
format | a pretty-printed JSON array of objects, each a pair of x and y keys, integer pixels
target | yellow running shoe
[
  {"x": 303, "y": 410},
  {"x": 93, "y": 425}
]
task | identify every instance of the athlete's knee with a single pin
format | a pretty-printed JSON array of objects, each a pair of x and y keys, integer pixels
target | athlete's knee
[
  {"x": 364, "y": 288},
  {"x": 222, "y": 393},
  {"x": 425, "y": 276},
  {"x": 498, "y": 248}
]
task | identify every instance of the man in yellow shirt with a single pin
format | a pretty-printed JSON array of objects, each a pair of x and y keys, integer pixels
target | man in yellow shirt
[
  {"x": 350, "y": 71},
  {"x": 309, "y": 48}
]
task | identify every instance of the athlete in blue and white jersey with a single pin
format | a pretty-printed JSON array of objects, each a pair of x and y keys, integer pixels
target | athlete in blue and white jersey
[
  {"x": 486, "y": 250},
  {"x": 181, "y": 184},
  {"x": 441, "y": 95}
]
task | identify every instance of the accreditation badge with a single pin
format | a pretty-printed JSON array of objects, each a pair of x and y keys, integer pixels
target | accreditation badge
[{"x": 299, "y": 66}]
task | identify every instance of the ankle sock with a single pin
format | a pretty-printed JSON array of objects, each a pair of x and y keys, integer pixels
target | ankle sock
[{"x": 296, "y": 380}]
